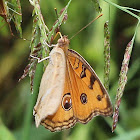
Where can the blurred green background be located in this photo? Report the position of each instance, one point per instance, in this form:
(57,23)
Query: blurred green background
(16,102)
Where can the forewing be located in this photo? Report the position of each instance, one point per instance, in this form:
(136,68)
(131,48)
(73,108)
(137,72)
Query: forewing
(89,97)
(51,87)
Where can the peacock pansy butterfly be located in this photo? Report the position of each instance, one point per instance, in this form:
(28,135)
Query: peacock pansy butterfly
(70,91)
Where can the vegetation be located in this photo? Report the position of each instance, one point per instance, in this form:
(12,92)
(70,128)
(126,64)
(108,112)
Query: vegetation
(16,100)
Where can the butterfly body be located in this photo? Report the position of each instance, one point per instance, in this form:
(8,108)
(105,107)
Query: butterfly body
(70,91)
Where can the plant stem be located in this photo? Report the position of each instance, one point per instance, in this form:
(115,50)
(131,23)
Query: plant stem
(125,9)
(31,102)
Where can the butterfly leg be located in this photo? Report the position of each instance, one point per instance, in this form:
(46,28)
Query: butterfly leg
(40,60)
(50,46)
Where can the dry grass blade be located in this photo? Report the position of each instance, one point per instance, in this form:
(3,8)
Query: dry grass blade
(122,83)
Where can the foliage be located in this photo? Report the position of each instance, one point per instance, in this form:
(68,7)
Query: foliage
(16,102)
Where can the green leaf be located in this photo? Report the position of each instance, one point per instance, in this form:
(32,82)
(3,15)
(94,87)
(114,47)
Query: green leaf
(5,134)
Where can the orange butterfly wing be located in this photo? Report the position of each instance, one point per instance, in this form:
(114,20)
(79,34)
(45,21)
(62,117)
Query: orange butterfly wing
(89,97)
(63,118)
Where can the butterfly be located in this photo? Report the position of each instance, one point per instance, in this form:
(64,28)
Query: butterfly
(70,91)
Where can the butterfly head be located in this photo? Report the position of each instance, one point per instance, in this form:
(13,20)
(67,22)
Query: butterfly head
(63,42)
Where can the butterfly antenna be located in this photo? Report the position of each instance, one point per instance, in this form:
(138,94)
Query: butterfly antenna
(86,26)
(55,9)
(57,18)
(59,34)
